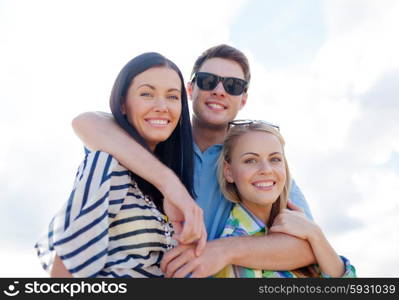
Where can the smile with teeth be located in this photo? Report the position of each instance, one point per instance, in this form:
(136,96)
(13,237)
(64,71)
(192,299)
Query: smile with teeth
(264,184)
(215,106)
(158,122)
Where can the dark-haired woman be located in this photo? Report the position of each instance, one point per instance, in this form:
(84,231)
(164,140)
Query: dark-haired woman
(114,223)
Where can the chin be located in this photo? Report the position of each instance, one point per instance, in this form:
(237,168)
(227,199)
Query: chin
(158,140)
(268,201)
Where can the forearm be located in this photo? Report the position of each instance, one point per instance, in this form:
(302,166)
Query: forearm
(99,131)
(328,260)
(58,270)
(274,251)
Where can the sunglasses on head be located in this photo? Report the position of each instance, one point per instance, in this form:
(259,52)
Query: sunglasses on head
(249,122)
(208,81)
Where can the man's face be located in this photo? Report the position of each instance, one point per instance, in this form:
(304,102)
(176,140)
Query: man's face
(217,107)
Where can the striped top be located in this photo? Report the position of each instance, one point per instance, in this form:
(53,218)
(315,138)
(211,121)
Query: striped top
(242,222)
(107,228)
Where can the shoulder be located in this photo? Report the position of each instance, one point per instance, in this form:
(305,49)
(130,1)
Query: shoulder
(100,170)
(233,224)
(101,160)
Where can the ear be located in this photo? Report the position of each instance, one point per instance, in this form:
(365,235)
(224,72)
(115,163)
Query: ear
(190,90)
(243,100)
(227,172)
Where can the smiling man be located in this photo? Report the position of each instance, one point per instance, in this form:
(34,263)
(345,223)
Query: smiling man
(218,90)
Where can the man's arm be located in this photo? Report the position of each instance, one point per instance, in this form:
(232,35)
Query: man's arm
(99,131)
(271,252)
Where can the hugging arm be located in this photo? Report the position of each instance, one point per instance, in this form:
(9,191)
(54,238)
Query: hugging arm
(270,252)
(99,131)
(275,251)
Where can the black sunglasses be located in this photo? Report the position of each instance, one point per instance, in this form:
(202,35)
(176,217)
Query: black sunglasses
(249,122)
(208,81)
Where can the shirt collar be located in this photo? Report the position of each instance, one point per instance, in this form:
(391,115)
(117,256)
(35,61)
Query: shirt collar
(247,220)
(212,149)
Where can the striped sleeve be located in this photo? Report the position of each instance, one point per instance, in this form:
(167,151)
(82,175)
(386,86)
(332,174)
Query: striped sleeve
(78,233)
(350,271)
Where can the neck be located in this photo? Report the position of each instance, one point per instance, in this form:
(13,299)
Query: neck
(262,212)
(206,135)
(152,146)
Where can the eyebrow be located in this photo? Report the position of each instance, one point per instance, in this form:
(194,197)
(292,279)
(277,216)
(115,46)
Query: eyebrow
(253,153)
(256,154)
(271,154)
(146,85)
(153,88)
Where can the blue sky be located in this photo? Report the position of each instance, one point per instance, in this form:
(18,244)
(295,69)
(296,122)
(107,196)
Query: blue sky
(280,33)
(325,71)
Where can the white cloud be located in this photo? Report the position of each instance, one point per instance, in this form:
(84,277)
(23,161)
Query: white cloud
(338,114)
(339,118)
(17,262)
(59,59)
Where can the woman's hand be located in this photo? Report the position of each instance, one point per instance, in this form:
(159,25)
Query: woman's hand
(293,221)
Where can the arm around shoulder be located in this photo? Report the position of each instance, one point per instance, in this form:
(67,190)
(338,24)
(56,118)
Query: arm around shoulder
(95,129)
(99,131)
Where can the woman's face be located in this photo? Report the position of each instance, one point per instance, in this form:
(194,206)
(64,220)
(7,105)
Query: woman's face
(257,168)
(153,104)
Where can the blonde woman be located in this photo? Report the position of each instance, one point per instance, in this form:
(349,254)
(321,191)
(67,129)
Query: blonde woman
(253,173)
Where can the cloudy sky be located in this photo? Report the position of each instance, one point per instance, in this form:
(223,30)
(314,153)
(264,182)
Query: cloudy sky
(326,71)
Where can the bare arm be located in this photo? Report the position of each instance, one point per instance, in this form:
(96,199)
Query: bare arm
(99,131)
(294,222)
(270,252)
(329,261)
(59,270)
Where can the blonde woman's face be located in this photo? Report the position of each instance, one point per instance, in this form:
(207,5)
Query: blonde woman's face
(257,168)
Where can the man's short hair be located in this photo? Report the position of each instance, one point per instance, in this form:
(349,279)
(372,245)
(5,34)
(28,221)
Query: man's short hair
(226,52)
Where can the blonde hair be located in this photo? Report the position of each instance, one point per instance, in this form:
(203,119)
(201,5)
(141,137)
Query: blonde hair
(230,190)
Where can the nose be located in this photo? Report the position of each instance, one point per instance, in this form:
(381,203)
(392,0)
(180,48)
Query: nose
(161,105)
(219,90)
(265,167)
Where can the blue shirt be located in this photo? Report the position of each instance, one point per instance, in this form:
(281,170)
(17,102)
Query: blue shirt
(210,198)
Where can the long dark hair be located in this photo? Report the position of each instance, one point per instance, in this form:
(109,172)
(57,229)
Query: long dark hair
(177,151)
